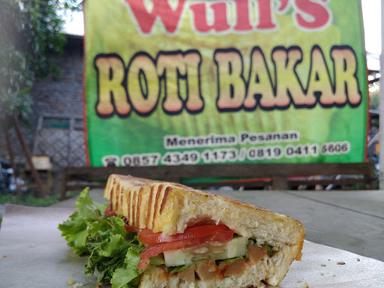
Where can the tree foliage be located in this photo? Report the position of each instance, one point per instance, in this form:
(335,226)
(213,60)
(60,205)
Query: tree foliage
(30,33)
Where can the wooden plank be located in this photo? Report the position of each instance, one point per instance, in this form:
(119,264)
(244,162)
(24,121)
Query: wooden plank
(40,191)
(62,180)
(226,170)
(280,183)
(323,182)
(278,173)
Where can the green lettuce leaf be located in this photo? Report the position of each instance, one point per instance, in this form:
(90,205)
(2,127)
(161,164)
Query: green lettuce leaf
(123,277)
(113,253)
(177,269)
(75,228)
(157,261)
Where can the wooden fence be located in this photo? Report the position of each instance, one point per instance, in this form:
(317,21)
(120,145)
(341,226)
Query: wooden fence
(275,176)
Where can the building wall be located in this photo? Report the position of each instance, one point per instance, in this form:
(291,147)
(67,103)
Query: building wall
(58,110)
(62,96)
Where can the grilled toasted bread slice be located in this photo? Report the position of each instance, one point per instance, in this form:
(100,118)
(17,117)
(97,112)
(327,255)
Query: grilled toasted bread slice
(169,208)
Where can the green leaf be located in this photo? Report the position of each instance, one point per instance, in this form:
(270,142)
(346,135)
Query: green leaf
(157,261)
(75,229)
(112,246)
(132,258)
(122,277)
(230,260)
(177,269)
(80,240)
(85,205)
(113,252)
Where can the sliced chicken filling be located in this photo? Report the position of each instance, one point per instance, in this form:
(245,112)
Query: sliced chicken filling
(216,260)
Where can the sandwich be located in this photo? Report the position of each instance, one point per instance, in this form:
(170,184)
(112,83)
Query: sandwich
(177,236)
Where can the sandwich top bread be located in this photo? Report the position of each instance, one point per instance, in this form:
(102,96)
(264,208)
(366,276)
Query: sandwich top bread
(238,245)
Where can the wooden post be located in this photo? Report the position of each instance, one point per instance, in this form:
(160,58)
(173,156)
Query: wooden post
(280,183)
(28,157)
(62,184)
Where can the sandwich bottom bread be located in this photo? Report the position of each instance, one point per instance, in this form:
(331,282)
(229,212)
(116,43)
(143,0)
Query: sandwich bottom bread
(180,237)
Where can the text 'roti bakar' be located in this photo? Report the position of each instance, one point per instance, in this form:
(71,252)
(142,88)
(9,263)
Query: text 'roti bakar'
(197,239)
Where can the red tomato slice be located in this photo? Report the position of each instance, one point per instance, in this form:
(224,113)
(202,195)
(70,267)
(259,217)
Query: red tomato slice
(109,212)
(192,236)
(131,229)
(147,237)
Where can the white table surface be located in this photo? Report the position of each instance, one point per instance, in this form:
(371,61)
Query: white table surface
(34,255)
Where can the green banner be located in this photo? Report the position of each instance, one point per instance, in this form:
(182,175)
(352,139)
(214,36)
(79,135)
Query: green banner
(174,82)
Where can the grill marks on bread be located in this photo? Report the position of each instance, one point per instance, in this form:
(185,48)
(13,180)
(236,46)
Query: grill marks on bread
(169,208)
(140,205)
(164,200)
(150,200)
(159,190)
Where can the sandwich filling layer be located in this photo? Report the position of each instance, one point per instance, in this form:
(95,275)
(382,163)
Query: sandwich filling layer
(203,252)
(261,273)
(202,247)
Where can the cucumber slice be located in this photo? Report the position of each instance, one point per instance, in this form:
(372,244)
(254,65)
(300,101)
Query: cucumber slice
(237,247)
(177,258)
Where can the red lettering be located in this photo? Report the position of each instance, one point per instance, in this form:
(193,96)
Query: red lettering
(161,9)
(220,22)
(312,14)
(309,14)
(283,5)
(242,13)
(266,15)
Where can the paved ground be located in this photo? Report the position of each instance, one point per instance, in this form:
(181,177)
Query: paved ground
(33,254)
(349,220)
